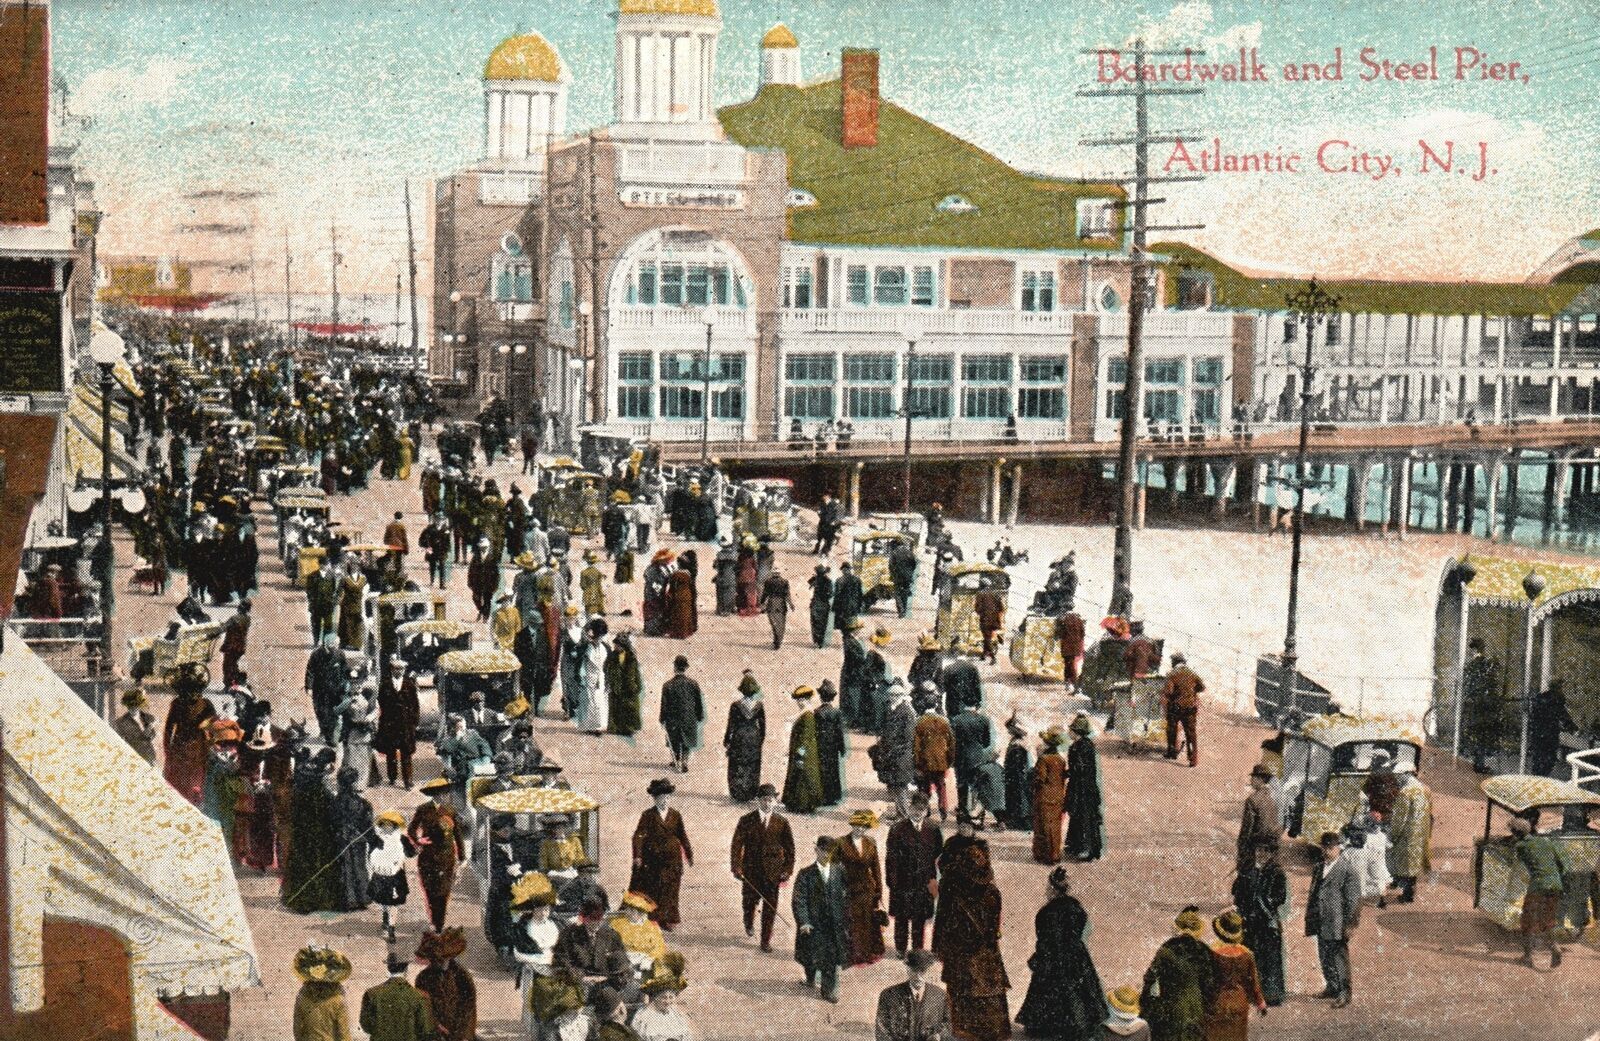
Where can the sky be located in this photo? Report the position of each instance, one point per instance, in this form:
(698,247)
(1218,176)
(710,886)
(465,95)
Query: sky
(328,108)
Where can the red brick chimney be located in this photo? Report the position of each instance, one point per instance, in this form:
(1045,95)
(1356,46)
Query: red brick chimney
(24,112)
(859,106)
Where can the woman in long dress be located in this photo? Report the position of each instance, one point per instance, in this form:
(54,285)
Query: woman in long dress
(1019,779)
(863,889)
(725,578)
(572,653)
(683,614)
(1085,814)
(802,782)
(596,706)
(743,739)
(966,937)
(1065,998)
(748,590)
(624,686)
(1049,799)
(533,940)
(1238,988)
(352,831)
(352,595)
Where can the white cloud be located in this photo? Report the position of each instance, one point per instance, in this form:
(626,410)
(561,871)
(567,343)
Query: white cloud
(1193,24)
(118,90)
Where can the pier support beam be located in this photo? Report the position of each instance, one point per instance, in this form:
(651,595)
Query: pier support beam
(1253,489)
(1222,473)
(1491,477)
(1513,478)
(1405,495)
(995,473)
(1361,474)
(855,490)
(1469,495)
(1275,476)
(1169,475)
(1144,490)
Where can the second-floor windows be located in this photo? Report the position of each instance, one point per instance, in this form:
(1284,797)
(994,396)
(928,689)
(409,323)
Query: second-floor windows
(511,279)
(1038,291)
(889,285)
(797,285)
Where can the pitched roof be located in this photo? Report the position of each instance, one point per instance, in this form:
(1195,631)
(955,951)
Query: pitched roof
(889,194)
(1246,292)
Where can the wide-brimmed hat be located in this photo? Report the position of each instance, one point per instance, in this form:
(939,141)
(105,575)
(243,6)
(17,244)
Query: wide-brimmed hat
(1189,921)
(1262,770)
(621,497)
(1124,1001)
(321,965)
(516,708)
(438,784)
(928,642)
(803,692)
(881,636)
(556,820)
(134,698)
(660,786)
(1081,725)
(1228,926)
(921,960)
(390,817)
(1052,736)
(827,691)
(442,946)
(262,740)
(571,611)
(532,890)
(662,556)
(526,560)
(667,974)
(863,819)
(221,731)
(638,901)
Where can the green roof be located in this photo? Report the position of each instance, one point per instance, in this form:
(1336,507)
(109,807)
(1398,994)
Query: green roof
(1239,291)
(889,194)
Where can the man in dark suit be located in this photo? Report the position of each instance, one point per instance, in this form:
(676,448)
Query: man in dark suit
(591,949)
(322,593)
(911,867)
(394,1010)
(1333,910)
(820,945)
(915,1010)
(762,859)
(683,709)
(848,597)
(973,735)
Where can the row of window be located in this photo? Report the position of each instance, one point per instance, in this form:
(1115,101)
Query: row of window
(888,285)
(1166,406)
(925,368)
(870,379)
(1158,371)
(679,366)
(679,285)
(815,403)
(687,402)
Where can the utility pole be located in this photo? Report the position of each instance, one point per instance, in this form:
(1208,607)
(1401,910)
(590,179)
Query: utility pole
(1133,386)
(333,235)
(397,306)
(411,265)
(288,293)
(593,348)
(541,378)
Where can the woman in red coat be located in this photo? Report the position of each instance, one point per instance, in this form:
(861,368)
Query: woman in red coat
(966,937)
(683,614)
(1049,799)
(184,744)
(863,890)
(1238,987)
(747,590)
(660,850)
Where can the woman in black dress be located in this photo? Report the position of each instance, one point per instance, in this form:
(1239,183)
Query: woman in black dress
(1085,812)
(1019,779)
(1065,998)
(743,739)
(352,832)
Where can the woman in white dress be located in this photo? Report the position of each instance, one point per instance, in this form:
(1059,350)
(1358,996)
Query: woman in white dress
(661,1018)
(595,712)
(386,868)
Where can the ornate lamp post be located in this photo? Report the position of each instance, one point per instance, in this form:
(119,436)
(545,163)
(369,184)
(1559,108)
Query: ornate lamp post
(1311,307)
(706,316)
(107,349)
(1532,585)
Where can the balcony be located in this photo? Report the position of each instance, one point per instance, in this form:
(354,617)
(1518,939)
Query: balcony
(658,162)
(1173,325)
(953,323)
(730,319)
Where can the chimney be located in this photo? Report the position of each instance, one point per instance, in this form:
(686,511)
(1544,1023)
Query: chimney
(858,81)
(24,112)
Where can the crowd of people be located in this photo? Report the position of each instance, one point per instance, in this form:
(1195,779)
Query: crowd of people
(296,799)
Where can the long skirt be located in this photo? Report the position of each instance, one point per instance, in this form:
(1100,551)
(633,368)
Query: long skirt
(975,1018)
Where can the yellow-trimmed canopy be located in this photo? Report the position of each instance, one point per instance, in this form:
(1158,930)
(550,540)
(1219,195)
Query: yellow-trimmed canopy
(537,800)
(1498,580)
(482,660)
(779,37)
(527,57)
(1522,792)
(703,8)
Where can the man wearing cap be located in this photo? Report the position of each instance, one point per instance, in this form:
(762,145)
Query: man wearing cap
(136,726)
(683,711)
(394,1010)
(439,835)
(802,783)
(1180,698)
(1333,909)
(1259,819)
(915,1010)
(660,851)
(1180,982)
(911,869)
(762,859)
(398,714)
(818,905)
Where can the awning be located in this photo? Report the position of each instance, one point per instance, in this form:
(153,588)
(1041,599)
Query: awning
(109,843)
(1497,580)
(83,462)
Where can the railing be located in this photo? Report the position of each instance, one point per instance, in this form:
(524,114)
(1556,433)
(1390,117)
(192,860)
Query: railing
(677,430)
(738,319)
(892,320)
(1585,768)
(72,649)
(1028,430)
(1172,324)
(659,162)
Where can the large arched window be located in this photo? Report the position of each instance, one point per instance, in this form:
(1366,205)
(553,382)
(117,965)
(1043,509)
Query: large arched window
(679,267)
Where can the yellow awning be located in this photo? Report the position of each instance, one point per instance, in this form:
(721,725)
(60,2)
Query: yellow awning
(1498,580)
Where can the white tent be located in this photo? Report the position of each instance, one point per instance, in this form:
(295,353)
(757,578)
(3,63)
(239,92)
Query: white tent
(96,835)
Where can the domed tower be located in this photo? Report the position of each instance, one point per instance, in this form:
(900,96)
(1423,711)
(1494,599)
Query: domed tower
(780,57)
(666,68)
(524,100)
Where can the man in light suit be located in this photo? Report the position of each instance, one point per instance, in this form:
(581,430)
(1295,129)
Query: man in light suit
(915,1010)
(1333,910)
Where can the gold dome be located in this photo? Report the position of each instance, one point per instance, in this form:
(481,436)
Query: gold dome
(527,57)
(703,8)
(779,37)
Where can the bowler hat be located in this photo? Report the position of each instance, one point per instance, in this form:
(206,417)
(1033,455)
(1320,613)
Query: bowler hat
(766,791)
(661,786)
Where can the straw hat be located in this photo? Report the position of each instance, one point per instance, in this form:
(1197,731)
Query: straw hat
(803,692)
(526,560)
(928,642)
(225,730)
(590,556)
(621,498)
(1189,921)
(321,965)
(1124,1001)
(134,699)
(438,784)
(571,611)
(1052,737)
(668,974)
(532,890)
(881,637)
(863,819)
(1228,926)
(516,708)
(390,817)
(854,625)
(638,901)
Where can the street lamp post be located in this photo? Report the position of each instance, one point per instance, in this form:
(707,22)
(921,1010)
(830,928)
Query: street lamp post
(1311,306)
(1532,585)
(912,330)
(585,309)
(704,315)
(107,349)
